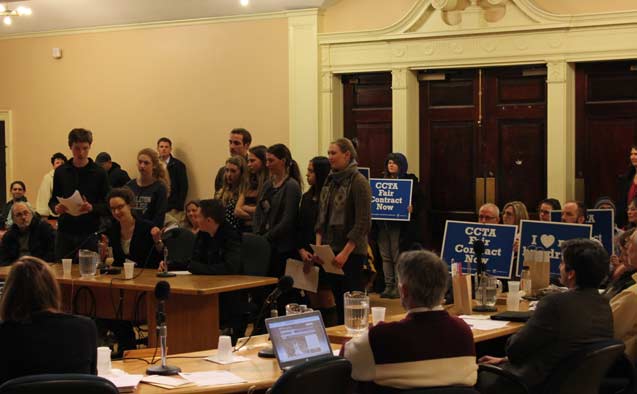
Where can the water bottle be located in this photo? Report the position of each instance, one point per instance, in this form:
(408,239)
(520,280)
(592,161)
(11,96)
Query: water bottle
(525,281)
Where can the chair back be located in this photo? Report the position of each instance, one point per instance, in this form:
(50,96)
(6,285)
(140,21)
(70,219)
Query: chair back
(255,255)
(180,243)
(329,375)
(582,373)
(58,384)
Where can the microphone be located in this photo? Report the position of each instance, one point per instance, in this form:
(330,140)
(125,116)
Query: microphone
(162,292)
(167,234)
(284,285)
(478,249)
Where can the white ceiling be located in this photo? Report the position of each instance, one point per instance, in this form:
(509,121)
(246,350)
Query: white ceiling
(72,14)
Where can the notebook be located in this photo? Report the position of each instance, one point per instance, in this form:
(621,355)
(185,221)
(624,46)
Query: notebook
(299,338)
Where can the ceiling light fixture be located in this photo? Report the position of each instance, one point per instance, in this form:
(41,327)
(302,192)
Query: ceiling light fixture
(244,2)
(8,13)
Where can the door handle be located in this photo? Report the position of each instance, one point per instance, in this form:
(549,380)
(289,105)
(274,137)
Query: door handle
(490,188)
(480,184)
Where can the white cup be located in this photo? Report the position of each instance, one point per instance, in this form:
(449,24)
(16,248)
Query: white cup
(514,286)
(103,360)
(513,297)
(67,266)
(378,314)
(224,349)
(129,269)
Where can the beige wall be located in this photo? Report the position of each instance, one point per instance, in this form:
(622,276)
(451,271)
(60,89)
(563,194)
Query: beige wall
(192,83)
(353,15)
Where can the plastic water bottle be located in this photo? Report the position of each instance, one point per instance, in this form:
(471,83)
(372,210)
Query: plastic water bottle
(525,281)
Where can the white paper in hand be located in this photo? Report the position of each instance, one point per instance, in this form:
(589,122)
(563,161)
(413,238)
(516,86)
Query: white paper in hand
(73,204)
(302,281)
(325,253)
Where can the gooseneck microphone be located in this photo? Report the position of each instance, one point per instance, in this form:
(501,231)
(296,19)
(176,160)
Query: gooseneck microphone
(162,292)
(478,250)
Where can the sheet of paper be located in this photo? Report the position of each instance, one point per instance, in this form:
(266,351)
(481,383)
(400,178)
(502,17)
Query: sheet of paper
(179,273)
(166,381)
(325,253)
(234,359)
(481,324)
(123,381)
(73,203)
(302,281)
(212,378)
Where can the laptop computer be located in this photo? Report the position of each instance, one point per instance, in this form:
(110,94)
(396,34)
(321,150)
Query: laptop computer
(297,339)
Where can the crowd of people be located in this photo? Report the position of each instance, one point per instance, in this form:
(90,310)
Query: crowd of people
(259,190)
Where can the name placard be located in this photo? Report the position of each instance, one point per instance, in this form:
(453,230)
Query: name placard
(391,198)
(498,239)
(548,236)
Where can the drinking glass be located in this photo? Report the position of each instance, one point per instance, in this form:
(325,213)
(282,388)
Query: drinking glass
(486,293)
(356,312)
(88,263)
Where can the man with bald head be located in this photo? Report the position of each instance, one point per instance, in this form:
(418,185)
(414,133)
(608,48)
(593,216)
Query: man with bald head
(574,212)
(489,214)
(28,235)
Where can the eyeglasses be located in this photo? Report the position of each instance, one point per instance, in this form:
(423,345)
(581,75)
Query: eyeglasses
(484,217)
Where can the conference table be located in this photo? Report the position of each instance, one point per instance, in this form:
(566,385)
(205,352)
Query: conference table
(192,308)
(339,334)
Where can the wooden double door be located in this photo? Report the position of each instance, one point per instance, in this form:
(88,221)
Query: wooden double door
(483,139)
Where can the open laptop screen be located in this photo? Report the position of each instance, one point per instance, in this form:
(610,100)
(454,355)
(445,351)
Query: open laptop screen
(298,338)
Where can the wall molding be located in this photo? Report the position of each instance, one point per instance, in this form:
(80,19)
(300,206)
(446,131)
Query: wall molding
(163,24)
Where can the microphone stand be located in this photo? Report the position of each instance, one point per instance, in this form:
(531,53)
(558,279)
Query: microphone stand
(166,274)
(162,329)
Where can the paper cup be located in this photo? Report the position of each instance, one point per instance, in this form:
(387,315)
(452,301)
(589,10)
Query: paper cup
(129,269)
(103,360)
(224,349)
(378,314)
(67,266)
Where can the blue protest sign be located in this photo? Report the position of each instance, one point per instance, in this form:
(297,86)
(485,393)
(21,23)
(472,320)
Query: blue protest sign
(603,222)
(498,239)
(548,236)
(364,171)
(391,199)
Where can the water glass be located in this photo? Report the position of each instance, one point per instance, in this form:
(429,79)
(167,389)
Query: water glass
(378,314)
(487,291)
(88,263)
(224,349)
(103,360)
(67,266)
(356,312)
(513,297)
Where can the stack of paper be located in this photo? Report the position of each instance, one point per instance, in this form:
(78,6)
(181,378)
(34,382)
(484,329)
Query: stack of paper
(167,382)
(124,382)
(233,359)
(480,323)
(212,378)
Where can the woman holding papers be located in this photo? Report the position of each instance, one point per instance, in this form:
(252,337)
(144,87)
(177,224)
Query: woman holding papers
(394,237)
(151,188)
(278,206)
(130,236)
(344,219)
(317,170)
(35,336)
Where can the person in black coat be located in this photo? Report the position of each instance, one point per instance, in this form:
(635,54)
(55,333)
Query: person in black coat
(81,174)
(35,336)
(28,235)
(178,176)
(117,176)
(130,236)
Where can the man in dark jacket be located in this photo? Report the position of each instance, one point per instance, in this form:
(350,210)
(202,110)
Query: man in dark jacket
(562,323)
(239,142)
(80,174)
(178,179)
(28,235)
(117,176)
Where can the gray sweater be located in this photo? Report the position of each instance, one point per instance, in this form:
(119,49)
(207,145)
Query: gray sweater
(275,216)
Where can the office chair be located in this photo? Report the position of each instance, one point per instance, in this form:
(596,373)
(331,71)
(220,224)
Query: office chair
(329,375)
(580,373)
(620,379)
(58,384)
(180,243)
(255,255)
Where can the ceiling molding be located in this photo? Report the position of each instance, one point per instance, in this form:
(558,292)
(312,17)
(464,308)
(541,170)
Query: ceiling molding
(164,24)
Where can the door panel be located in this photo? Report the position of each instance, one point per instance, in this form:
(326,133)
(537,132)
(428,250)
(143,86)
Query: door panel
(368,117)
(479,127)
(606,126)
